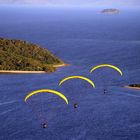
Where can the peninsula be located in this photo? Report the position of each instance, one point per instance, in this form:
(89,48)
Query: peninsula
(134,86)
(17,56)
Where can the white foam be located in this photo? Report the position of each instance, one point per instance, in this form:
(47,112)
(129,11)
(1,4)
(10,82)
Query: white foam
(132,95)
(8,102)
(7,111)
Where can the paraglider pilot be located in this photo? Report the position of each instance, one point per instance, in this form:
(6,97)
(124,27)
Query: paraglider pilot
(105,91)
(75,105)
(44,125)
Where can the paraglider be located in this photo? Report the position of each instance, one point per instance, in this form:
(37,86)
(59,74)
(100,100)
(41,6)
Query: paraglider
(107,65)
(87,80)
(46,90)
(45,124)
(77,77)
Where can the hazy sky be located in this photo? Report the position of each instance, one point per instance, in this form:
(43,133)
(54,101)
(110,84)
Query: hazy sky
(75,2)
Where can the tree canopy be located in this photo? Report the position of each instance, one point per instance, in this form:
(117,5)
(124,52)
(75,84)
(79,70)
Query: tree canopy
(21,55)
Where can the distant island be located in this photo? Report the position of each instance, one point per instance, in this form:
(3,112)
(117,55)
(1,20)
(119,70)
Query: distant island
(110,11)
(20,56)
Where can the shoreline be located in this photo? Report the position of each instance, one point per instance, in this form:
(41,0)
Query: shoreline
(137,88)
(61,65)
(30,72)
(19,72)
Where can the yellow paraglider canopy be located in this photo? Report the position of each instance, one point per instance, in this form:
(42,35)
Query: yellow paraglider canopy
(49,91)
(75,77)
(107,65)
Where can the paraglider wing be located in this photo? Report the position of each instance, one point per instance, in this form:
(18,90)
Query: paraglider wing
(49,91)
(107,65)
(75,77)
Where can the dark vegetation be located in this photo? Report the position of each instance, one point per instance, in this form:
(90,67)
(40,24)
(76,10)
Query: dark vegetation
(134,85)
(21,55)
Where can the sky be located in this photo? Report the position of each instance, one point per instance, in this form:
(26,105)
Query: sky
(75,2)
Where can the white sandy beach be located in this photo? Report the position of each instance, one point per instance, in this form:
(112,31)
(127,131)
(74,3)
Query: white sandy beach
(30,72)
(138,88)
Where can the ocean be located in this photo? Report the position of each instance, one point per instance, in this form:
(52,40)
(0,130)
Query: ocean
(82,38)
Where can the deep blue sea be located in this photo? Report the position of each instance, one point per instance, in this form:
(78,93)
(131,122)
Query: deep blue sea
(82,38)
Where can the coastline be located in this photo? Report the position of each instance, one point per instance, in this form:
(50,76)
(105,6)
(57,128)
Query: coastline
(61,65)
(19,72)
(29,72)
(137,88)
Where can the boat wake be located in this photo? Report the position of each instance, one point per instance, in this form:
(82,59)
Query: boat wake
(8,102)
